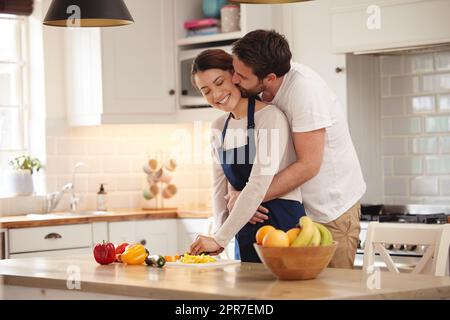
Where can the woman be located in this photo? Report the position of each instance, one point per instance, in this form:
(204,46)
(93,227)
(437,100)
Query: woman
(250,143)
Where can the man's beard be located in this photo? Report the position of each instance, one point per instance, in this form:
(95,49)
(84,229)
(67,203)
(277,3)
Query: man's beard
(252,92)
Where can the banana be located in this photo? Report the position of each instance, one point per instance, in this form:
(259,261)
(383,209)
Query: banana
(326,237)
(315,240)
(307,233)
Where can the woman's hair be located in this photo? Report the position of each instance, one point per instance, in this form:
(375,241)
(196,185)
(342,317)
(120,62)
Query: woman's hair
(211,59)
(264,51)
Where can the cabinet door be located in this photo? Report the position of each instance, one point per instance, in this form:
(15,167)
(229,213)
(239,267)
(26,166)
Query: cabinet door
(314,48)
(123,231)
(188,230)
(138,62)
(158,236)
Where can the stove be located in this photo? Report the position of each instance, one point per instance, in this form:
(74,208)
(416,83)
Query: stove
(405,256)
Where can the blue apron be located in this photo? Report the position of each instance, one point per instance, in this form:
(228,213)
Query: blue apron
(237,165)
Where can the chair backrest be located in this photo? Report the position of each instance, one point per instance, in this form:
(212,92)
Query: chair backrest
(435,237)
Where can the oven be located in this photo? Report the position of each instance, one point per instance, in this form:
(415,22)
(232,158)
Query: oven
(405,257)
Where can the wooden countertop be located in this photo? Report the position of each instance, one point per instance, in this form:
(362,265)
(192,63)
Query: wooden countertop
(238,281)
(53,219)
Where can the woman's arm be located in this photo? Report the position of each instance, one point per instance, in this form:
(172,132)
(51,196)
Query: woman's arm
(271,141)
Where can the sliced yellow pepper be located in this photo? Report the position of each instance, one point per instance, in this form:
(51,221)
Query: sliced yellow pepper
(134,254)
(187,258)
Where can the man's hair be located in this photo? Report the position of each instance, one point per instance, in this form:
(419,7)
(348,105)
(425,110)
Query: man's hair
(211,59)
(264,52)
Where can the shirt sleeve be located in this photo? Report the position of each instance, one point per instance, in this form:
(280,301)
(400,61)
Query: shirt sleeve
(310,106)
(220,210)
(271,140)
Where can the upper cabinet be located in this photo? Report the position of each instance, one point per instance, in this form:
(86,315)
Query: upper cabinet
(123,74)
(379,25)
(132,74)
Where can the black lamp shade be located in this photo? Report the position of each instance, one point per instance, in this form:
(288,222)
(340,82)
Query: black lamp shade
(93,13)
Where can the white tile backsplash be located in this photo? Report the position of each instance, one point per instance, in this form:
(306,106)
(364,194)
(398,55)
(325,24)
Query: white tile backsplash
(424,104)
(400,86)
(408,166)
(445,185)
(395,186)
(437,124)
(419,63)
(424,186)
(437,165)
(443,60)
(392,106)
(424,145)
(444,144)
(444,103)
(406,126)
(395,146)
(415,126)
(391,65)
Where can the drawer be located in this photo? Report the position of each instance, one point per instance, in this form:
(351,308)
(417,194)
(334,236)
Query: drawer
(50,238)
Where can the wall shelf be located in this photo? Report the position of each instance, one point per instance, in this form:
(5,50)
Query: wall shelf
(210,38)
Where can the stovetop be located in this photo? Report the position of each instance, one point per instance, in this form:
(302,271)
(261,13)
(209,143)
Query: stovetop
(406,214)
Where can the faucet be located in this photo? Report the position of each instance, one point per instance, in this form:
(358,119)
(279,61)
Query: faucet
(53,199)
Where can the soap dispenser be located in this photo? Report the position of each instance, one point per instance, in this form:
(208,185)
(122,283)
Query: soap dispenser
(101,199)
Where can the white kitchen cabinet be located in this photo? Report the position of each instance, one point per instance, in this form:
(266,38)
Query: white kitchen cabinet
(52,253)
(52,240)
(158,236)
(376,25)
(308,30)
(126,74)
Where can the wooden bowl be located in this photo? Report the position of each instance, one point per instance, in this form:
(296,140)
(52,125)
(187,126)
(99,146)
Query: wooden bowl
(296,263)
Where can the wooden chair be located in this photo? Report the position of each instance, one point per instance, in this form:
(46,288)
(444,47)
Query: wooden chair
(435,237)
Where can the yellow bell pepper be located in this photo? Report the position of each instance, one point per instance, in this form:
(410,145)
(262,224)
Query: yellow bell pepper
(134,254)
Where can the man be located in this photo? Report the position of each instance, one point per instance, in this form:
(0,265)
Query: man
(327,166)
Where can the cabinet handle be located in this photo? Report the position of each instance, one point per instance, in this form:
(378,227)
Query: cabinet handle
(143,242)
(53,236)
(172,92)
(339,70)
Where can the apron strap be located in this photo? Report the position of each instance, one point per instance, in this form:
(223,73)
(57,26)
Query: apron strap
(251,130)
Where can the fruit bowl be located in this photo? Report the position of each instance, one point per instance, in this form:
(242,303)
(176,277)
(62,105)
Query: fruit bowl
(296,263)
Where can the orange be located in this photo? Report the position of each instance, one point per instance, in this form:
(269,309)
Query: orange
(292,234)
(276,238)
(262,232)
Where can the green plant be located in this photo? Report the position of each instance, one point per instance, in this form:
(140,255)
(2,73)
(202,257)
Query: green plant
(26,163)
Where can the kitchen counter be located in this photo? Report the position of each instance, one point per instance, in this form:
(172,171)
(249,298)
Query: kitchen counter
(50,278)
(27,221)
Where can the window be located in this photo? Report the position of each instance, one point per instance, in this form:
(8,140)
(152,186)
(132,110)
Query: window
(13,91)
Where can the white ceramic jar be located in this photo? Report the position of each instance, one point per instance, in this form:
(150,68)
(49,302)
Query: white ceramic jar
(230,17)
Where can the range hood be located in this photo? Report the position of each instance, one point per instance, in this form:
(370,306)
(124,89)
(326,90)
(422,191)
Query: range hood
(432,48)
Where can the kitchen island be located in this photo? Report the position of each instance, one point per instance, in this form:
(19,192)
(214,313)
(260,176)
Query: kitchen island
(80,277)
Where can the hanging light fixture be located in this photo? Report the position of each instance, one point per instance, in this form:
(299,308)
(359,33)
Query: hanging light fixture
(88,13)
(268,1)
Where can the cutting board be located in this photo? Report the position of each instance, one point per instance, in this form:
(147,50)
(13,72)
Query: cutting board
(218,263)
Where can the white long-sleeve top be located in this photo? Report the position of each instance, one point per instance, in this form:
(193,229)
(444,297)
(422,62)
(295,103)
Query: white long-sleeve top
(274,152)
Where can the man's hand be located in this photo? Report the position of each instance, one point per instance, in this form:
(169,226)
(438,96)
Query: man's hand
(205,244)
(260,216)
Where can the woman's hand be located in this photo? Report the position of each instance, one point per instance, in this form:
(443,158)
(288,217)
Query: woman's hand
(205,244)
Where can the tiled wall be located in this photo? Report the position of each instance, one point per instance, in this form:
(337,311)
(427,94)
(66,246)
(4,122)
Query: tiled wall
(415,111)
(115,155)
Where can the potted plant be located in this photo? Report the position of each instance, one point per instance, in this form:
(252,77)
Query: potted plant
(21,181)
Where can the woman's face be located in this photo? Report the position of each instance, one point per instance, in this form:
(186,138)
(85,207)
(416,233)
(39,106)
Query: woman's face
(218,89)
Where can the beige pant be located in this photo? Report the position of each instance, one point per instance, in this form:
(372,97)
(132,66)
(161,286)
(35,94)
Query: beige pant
(345,230)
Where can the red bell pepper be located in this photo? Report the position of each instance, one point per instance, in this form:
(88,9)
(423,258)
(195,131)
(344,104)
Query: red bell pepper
(104,253)
(121,248)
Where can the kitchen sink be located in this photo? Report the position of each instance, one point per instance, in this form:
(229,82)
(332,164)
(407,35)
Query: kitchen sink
(67,214)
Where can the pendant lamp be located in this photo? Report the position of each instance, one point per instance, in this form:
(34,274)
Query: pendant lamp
(88,13)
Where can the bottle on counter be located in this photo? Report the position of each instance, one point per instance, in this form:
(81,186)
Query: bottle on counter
(101,199)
